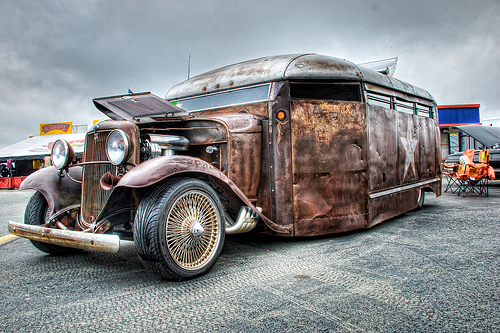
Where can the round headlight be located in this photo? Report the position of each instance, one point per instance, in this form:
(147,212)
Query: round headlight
(117,147)
(62,154)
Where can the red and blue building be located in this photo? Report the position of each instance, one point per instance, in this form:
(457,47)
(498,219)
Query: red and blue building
(450,116)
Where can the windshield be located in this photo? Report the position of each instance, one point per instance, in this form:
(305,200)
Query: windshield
(229,98)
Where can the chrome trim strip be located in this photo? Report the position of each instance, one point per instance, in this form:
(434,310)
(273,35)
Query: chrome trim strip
(402,188)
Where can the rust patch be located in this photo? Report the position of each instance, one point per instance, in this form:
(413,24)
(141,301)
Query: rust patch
(336,108)
(329,166)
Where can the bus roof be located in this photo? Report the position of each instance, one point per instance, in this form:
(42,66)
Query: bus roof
(287,67)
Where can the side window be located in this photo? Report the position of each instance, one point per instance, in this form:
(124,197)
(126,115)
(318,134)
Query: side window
(326,91)
(399,104)
(403,106)
(379,100)
(424,110)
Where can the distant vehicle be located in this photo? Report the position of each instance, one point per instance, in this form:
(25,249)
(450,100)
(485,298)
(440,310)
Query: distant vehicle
(293,145)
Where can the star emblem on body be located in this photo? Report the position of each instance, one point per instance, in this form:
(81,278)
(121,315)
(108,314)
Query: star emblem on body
(409,143)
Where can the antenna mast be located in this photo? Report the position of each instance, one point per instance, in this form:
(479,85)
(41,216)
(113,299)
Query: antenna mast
(189,64)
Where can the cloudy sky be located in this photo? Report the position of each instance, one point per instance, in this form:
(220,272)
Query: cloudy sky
(55,56)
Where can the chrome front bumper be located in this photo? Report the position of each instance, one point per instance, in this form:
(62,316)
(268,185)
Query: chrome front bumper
(67,238)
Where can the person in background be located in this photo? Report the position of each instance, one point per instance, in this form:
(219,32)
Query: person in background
(10,166)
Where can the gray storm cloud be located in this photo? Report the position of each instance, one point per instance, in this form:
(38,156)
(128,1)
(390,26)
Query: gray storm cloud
(55,56)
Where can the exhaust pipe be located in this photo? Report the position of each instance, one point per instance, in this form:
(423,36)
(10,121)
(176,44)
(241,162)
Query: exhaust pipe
(68,238)
(246,221)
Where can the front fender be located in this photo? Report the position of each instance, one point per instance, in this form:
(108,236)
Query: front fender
(61,193)
(161,168)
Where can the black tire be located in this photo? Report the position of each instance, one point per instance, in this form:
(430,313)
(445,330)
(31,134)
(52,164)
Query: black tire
(173,244)
(36,214)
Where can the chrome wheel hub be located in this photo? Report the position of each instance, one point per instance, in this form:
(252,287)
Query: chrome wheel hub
(197,230)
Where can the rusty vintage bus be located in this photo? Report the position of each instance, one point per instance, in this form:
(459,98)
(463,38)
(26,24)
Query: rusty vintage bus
(293,145)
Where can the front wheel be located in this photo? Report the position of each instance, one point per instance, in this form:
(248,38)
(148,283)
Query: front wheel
(36,213)
(179,230)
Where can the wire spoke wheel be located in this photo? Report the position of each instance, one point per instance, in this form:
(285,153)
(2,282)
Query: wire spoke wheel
(179,229)
(192,230)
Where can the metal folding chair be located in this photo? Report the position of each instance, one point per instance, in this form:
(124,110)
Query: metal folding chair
(452,180)
(472,186)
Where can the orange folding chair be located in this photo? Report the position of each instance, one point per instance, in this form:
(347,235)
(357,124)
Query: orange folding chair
(472,177)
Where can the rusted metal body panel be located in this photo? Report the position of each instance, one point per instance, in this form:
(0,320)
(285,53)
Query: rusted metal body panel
(356,165)
(244,133)
(403,159)
(248,150)
(329,165)
(246,162)
(384,140)
(241,155)
(280,159)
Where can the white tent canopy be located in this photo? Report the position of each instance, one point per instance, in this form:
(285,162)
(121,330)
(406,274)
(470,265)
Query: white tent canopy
(38,147)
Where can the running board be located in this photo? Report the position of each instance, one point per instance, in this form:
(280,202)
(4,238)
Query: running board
(67,238)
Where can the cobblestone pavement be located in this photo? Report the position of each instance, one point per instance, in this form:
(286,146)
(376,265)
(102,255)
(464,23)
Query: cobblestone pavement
(436,269)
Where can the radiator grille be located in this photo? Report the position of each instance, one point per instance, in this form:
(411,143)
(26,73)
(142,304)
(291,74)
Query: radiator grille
(93,196)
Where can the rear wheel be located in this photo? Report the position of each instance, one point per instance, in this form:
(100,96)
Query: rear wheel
(37,213)
(179,230)
(420,199)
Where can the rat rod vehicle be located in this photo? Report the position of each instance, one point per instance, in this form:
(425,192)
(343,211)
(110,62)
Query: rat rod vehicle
(293,145)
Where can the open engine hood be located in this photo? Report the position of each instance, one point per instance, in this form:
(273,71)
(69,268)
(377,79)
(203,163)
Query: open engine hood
(138,107)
